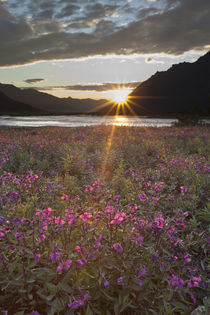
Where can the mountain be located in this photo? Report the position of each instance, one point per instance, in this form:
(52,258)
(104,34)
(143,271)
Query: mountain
(184,88)
(49,103)
(9,106)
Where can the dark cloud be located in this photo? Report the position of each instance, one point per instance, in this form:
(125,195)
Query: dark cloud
(4,13)
(46,14)
(93,87)
(31,81)
(98,10)
(67,11)
(12,31)
(176,28)
(47,26)
(105,27)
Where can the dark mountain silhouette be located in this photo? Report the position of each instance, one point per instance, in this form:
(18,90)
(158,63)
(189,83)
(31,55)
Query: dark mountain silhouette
(184,88)
(50,104)
(10,107)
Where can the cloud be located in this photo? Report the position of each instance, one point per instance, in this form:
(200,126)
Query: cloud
(174,28)
(93,87)
(68,10)
(4,13)
(31,81)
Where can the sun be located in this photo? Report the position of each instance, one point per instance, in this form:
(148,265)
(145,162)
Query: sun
(120,95)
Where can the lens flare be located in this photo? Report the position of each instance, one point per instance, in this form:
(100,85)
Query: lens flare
(120,96)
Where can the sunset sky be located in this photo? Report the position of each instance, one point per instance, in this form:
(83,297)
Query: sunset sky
(86,48)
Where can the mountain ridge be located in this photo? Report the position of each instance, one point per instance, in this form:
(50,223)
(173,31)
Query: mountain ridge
(182,88)
(47,103)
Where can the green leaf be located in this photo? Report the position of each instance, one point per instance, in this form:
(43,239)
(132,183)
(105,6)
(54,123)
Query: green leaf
(88,311)
(116,309)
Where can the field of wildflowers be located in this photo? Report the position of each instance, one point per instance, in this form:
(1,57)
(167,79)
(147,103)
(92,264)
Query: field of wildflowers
(104,220)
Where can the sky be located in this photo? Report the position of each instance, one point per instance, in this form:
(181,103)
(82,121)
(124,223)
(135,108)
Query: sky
(92,48)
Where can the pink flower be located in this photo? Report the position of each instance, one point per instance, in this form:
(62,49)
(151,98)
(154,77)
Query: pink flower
(95,184)
(47,211)
(78,249)
(109,209)
(118,218)
(194,282)
(89,188)
(185,214)
(2,234)
(183,189)
(149,183)
(60,267)
(85,216)
(159,186)
(65,197)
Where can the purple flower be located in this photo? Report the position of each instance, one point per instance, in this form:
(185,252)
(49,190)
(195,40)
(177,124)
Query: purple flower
(142,272)
(208,240)
(86,296)
(41,237)
(37,256)
(80,262)
(2,219)
(14,195)
(118,248)
(67,264)
(90,255)
(140,282)
(140,240)
(176,282)
(55,256)
(18,235)
(187,258)
(116,198)
(155,257)
(34,313)
(120,281)
(76,304)
(106,284)
(142,197)
(193,298)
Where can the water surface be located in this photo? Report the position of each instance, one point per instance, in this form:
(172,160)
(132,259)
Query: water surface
(81,121)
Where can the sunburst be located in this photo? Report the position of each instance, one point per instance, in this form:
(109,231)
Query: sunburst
(120,96)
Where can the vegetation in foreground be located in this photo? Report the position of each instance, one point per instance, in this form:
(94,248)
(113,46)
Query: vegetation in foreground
(104,220)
